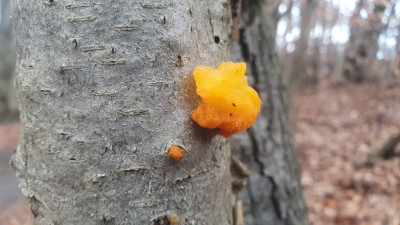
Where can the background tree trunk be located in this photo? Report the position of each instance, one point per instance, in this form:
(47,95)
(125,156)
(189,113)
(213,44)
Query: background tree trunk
(362,47)
(298,74)
(395,65)
(273,194)
(8,102)
(105,88)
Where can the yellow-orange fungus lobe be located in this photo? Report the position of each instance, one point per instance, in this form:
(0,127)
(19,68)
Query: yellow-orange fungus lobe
(228,102)
(176,152)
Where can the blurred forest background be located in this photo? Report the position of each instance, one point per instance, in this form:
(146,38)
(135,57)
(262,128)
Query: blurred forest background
(340,60)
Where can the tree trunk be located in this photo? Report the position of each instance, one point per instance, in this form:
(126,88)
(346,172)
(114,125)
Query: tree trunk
(273,195)
(298,74)
(395,64)
(362,47)
(105,88)
(8,102)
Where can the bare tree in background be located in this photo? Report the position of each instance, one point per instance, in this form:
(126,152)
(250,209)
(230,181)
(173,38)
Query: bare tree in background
(8,103)
(395,65)
(362,47)
(325,56)
(106,88)
(298,72)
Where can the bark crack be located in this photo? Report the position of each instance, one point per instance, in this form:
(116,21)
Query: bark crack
(81,19)
(243,45)
(210,20)
(79,5)
(274,189)
(250,58)
(124,27)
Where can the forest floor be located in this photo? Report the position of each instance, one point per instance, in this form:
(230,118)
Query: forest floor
(335,126)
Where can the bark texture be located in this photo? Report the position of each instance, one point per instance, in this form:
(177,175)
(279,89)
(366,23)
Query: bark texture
(273,195)
(105,87)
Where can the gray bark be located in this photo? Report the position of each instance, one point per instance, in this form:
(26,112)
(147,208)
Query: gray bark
(105,87)
(273,195)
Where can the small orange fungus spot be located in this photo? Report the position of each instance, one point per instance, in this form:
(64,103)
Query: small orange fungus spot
(228,102)
(176,152)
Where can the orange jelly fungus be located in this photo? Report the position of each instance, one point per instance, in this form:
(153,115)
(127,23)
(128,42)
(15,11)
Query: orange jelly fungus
(228,102)
(176,152)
